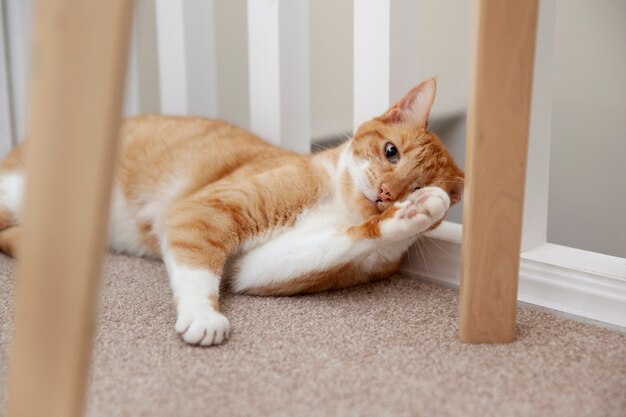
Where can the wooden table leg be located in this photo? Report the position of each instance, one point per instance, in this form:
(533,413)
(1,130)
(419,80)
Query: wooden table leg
(498,120)
(78,66)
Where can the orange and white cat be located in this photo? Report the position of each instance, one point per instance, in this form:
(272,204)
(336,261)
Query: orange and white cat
(214,201)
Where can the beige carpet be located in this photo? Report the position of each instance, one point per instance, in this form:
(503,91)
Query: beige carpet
(386,349)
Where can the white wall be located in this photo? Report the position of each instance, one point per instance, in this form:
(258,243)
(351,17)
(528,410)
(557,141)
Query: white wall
(587,204)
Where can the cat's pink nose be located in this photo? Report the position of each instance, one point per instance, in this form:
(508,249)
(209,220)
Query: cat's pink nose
(386,194)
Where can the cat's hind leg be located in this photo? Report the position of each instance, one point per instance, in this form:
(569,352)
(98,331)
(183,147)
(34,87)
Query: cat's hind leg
(9,238)
(11,186)
(196,295)
(11,190)
(195,247)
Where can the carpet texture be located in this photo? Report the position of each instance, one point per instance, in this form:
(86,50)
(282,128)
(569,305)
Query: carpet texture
(384,349)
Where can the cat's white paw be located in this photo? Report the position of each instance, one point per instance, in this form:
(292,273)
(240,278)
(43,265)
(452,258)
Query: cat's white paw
(431,201)
(420,210)
(202,326)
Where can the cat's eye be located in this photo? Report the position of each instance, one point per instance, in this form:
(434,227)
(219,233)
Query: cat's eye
(391,153)
(419,187)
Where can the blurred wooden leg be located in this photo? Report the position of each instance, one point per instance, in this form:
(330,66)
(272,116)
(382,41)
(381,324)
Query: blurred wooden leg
(498,122)
(79,59)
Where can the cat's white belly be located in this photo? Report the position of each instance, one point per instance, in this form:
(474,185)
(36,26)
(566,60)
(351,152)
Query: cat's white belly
(308,245)
(326,215)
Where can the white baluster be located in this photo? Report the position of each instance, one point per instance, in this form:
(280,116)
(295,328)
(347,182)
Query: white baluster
(385,54)
(535,223)
(186,44)
(18,20)
(202,90)
(131,90)
(172,57)
(6,110)
(278,53)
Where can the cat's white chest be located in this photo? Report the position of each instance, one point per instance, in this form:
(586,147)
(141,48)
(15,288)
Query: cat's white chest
(330,214)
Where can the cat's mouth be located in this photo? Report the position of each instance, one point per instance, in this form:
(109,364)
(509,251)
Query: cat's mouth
(382,205)
(377,202)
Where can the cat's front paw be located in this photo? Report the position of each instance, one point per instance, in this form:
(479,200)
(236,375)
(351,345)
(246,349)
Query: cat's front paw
(202,326)
(430,201)
(420,210)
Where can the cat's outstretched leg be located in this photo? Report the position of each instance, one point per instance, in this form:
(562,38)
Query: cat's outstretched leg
(194,251)
(11,190)
(196,292)
(9,238)
(307,260)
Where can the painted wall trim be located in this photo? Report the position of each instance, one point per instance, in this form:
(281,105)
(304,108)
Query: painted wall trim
(581,283)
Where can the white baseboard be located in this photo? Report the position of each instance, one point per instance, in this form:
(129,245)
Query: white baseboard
(581,283)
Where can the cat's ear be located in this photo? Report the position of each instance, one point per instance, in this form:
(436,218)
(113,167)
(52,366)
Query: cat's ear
(415,106)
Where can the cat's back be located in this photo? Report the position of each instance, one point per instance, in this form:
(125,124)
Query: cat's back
(175,140)
(163,159)
(203,150)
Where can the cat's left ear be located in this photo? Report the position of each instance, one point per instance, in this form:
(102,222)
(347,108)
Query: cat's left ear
(415,106)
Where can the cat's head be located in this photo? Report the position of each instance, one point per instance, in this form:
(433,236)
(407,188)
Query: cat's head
(394,154)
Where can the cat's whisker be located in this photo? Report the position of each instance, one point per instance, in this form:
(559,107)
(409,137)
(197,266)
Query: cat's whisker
(419,246)
(344,137)
(318,145)
(409,258)
(434,242)
(426,246)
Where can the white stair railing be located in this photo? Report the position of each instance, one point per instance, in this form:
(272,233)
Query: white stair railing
(386,42)
(6,110)
(186,51)
(535,223)
(278,55)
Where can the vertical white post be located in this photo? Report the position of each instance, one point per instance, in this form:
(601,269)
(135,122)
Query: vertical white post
(200,45)
(535,223)
(372,45)
(147,56)
(142,79)
(186,36)
(18,17)
(172,56)
(385,54)
(131,90)
(278,55)
(6,110)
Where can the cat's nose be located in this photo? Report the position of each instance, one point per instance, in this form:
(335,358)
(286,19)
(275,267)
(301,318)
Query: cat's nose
(386,194)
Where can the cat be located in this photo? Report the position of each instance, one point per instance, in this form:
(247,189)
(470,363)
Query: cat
(212,200)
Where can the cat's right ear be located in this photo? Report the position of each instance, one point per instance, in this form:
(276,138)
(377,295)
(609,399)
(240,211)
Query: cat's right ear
(415,106)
